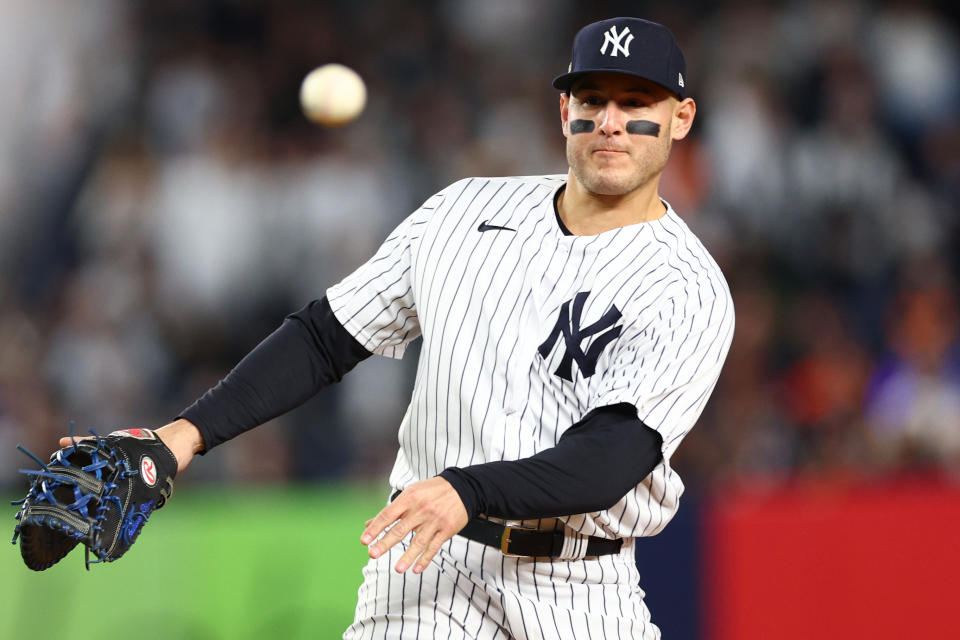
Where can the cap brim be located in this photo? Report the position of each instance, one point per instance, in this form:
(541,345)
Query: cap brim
(564,81)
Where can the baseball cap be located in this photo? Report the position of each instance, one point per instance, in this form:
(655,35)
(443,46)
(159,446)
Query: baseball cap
(627,45)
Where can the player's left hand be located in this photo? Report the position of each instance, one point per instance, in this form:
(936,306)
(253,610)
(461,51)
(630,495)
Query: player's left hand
(431,508)
(98,491)
(181,436)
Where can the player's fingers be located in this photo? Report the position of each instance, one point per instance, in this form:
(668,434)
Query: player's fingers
(446,528)
(67,441)
(431,550)
(396,533)
(418,546)
(375,526)
(407,503)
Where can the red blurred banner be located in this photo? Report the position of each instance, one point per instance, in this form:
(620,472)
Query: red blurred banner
(821,561)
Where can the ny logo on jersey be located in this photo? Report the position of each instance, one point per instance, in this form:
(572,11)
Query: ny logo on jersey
(613,38)
(569,326)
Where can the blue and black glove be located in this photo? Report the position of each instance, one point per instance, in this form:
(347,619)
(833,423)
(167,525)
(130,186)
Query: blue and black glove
(98,491)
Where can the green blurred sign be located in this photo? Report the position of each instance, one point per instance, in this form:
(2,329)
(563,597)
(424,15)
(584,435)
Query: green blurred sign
(271,563)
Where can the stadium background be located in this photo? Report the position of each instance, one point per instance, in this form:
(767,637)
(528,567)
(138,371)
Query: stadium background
(163,204)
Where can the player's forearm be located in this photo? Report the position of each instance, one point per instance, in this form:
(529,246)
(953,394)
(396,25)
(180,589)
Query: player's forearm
(595,463)
(309,351)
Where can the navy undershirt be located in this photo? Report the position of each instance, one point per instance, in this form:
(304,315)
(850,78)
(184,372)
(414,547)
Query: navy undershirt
(596,461)
(308,352)
(556,211)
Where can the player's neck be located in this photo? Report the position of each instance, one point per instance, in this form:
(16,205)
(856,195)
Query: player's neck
(586,214)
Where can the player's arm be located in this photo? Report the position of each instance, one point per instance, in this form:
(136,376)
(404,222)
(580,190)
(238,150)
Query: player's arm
(309,351)
(595,463)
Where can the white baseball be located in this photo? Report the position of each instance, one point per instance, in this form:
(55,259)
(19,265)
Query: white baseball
(333,95)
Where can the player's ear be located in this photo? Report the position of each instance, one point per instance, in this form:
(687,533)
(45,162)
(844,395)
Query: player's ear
(565,113)
(684,112)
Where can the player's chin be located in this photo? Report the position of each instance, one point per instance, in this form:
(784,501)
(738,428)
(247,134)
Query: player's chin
(611,183)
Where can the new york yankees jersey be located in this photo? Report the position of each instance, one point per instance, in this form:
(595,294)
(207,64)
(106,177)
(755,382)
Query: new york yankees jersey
(525,329)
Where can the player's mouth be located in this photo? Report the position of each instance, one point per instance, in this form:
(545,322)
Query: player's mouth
(604,151)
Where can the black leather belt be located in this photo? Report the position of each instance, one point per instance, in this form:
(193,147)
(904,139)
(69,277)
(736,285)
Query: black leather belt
(518,541)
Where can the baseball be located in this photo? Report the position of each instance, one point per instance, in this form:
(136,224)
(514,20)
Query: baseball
(333,95)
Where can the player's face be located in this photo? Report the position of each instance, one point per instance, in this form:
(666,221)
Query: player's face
(634,122)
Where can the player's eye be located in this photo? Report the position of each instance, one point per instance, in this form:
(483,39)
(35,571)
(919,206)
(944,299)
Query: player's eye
(636,102)
(592,101)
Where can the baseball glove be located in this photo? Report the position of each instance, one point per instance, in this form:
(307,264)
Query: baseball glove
(98,491)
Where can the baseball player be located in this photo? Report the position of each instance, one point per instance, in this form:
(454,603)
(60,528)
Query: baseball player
(573,329)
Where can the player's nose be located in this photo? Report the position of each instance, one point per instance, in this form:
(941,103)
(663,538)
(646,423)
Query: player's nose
(612,120)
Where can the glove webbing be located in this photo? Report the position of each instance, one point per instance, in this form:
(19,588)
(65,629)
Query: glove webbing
(46,481)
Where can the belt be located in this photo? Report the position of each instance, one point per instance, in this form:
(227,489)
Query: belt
(519,541)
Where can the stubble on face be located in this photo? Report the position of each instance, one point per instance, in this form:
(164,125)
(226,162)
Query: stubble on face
(616,176)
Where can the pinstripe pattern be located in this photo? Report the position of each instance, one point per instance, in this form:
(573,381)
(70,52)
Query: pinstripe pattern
(473,592)
(484,302)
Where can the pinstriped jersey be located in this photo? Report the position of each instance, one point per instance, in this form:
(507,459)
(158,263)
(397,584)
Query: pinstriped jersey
(526,329)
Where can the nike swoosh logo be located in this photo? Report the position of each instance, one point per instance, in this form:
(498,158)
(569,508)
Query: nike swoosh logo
(492,227)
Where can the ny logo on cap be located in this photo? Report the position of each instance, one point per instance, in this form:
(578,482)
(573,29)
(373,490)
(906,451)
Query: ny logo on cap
(611,37)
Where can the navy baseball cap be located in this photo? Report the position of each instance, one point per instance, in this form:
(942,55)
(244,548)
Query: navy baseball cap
(627,45)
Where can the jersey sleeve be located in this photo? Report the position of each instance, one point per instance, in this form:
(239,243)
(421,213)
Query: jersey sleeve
(376,303)
(668,361)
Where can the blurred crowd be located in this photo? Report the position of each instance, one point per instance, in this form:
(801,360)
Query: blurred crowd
(164,203)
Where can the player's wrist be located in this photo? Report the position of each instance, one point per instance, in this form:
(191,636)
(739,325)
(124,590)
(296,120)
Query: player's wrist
(467,490)
(183,438)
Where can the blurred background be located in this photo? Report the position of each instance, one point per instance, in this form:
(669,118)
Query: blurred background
(164,203)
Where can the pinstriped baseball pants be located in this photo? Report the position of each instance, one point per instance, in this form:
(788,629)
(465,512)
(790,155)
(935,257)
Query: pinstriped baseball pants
(472,591)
